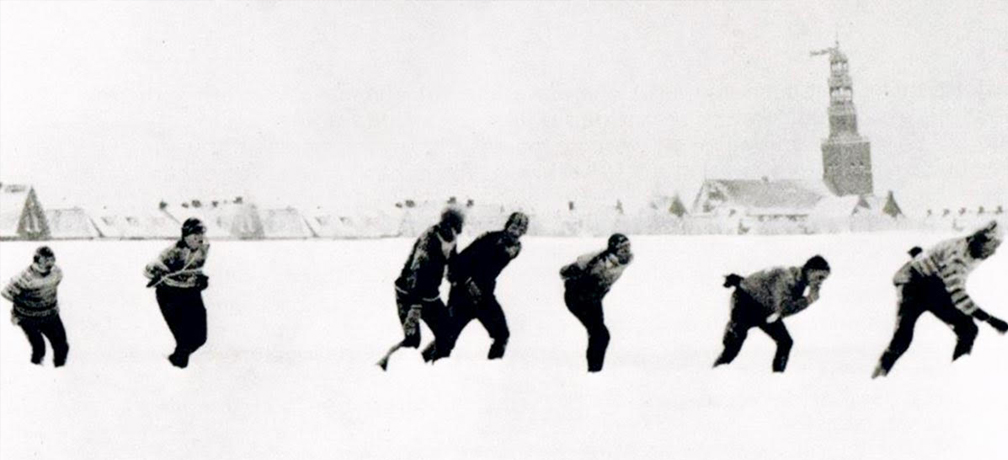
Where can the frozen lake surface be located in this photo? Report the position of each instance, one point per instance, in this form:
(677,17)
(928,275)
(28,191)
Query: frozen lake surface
(296,327)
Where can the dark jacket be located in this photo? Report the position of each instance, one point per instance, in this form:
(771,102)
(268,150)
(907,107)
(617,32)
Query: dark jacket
(484,259)
(779,290)
(421,275)
(593,274)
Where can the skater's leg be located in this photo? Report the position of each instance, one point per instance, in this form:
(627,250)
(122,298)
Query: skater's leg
(906,320)
(491,315)
(198,325)
(172,311)
(31,331)
(54,331)
(779,333)
(598,336)
(912,303)
(589,312)
(451,323)
(734,336)
(383,362)
(962,324)
(737,330)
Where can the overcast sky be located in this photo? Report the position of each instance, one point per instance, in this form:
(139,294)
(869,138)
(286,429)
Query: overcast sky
(366,104)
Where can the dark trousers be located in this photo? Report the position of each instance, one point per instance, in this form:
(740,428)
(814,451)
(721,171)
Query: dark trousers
(432,312)
(185,314)
(916,297)
(463,307)
(52,328)
(588,310)
(747,313)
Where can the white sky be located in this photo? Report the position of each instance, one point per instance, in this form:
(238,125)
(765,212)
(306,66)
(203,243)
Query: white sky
(365,104)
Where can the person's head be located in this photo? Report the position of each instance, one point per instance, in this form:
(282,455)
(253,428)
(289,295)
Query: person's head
(44,259)
(619,245)
(816,270)
(517,225)
(985,241)
(193,233)
(451,223)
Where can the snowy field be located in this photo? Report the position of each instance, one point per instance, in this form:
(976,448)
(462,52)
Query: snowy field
(296,327)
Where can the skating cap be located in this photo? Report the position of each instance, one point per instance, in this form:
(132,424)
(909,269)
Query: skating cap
(453,217)
(517,217)
(191,226)
(817,262)
(992,231)
(617,240)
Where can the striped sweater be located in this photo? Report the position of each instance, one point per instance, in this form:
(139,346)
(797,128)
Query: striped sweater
(34,293)
(949,261)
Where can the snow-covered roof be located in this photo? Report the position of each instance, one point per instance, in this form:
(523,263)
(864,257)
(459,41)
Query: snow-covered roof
(285,223)
(759,196)
(72,223)
(224,219)
(832,207)
(21,214)
(136,224)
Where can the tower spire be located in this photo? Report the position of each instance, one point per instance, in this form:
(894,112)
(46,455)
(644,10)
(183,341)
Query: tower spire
(846,155)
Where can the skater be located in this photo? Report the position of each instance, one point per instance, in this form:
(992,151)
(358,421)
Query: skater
(418,295)
(178,279)
(586,282)
(935,281)
(473,274)
(36,309)
(764,299)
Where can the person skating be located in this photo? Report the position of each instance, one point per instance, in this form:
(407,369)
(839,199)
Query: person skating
(935,281)
(178,279)
(417,289)
(763,299)
(473,274)
(586,282)
(36,309)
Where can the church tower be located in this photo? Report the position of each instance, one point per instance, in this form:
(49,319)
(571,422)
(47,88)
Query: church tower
(846,155)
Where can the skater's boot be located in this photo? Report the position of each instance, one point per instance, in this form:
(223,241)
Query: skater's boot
(179,360)
(497,349)
(879,371)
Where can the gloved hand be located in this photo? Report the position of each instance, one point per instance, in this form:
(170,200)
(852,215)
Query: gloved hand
(998,324)
(411,327)
(202,281)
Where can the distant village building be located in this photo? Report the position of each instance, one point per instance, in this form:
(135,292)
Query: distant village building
(136,224)
(847,168)
(847,172)
(71,224)
(964,218)
(224,219)
(285,223)
(22,216)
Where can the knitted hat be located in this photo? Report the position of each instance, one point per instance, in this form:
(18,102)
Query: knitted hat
(453,217)
(817,262)
(43,251)
(617,240)
(519,218)
(191,226)
(991,231)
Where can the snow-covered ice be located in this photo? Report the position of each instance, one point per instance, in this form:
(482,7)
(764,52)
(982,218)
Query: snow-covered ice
(296,327)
